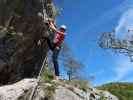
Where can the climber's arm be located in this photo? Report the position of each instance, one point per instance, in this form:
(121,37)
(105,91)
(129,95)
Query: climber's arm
(52,26)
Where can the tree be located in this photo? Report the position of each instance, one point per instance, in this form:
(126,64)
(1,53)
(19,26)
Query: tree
(71,65)
(108,40)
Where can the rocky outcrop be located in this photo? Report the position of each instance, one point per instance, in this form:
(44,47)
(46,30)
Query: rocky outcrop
(15,91)
(51,90)
(21,26)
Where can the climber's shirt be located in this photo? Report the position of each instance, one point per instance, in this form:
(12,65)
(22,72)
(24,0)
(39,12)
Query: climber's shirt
(59,38)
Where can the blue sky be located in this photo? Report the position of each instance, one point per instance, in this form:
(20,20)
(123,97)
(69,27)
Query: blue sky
(86,20)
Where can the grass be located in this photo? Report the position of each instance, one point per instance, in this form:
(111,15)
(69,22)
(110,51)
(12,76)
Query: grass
(81,84)
(124,91)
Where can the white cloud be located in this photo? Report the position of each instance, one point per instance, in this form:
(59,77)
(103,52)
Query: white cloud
(124,67)
(107,16)
(126,21)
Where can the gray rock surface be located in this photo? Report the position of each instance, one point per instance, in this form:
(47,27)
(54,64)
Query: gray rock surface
(50,91)
(108,95)
(21,26)
(15,91)
(63,93)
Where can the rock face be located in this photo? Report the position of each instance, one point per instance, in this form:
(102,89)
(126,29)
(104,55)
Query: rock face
(15,91)
(51,91)
(108,95)
(21,26)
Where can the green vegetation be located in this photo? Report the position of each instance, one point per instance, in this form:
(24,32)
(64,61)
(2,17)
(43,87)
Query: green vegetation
(47,76)
(124,91)
(102,98)
(81,84)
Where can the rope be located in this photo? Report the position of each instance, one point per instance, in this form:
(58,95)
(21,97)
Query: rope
(38,79)
(44,62)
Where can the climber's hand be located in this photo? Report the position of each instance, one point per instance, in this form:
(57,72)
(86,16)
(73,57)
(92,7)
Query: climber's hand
(52,22)
(52,26)
(47,21)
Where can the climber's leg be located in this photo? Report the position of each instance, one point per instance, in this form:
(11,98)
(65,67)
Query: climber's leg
(50,44)
(55,60)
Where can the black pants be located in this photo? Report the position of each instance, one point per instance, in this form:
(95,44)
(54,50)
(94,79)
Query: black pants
(55,55)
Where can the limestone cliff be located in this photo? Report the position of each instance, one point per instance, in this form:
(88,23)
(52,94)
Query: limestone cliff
(21,26)
(52,90)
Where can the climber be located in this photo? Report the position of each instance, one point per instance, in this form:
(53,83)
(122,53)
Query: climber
(55,45)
